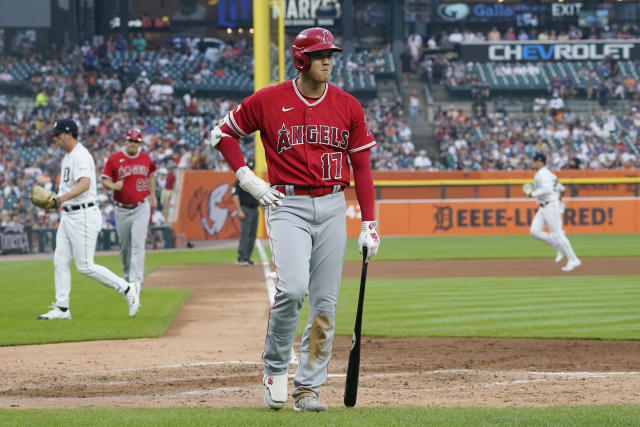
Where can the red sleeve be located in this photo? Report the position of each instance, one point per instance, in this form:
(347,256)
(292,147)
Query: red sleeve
(360,137)
(152,166)
(244,119)
(363,179)
(109,169)
(230,150)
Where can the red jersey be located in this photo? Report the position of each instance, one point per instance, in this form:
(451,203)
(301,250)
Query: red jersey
(133,171)
(306,141)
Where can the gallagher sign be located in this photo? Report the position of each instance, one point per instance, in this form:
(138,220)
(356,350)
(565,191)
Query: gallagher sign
(549,51)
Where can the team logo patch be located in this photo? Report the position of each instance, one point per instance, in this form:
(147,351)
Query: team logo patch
(65,175)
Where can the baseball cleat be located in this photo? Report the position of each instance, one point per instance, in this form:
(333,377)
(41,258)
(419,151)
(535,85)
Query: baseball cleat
(559,256)
(275,390)
(309,403)
(132,299)
(55,313)
(572,265)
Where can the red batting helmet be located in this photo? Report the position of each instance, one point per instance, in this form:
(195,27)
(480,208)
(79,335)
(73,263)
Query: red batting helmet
(311,40)
(134,135)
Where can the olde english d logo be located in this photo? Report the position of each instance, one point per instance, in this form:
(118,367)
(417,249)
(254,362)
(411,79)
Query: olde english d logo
(65,175)
(443,218)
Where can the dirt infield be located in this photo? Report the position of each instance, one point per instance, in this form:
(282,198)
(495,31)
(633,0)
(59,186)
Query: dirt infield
(210,357)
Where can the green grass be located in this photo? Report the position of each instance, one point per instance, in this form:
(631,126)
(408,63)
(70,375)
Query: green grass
(590,307)
(553,307)
(98,312)
(518,246)
(604,415)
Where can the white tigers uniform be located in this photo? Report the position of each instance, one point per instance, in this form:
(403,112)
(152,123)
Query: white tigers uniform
(80,224)
(546,191)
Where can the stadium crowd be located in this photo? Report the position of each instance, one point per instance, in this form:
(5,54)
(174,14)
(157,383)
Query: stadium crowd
(106,101)
(496,141)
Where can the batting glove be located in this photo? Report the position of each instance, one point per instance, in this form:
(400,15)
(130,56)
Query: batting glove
(259,189)
(369,238)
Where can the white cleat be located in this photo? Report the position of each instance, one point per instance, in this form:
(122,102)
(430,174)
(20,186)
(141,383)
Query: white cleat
(275,390)
(572,265)
(55,313)
(559,256)
(132,299)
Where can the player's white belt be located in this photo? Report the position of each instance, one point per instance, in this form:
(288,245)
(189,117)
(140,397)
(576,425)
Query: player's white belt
(78,207)
(129,206)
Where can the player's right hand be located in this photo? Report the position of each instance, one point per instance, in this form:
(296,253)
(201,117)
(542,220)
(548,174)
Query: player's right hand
(258,188)
(369,238)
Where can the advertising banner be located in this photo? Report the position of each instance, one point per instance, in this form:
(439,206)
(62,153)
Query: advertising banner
(206,210)
(503,216)
(553,51)
(14,239)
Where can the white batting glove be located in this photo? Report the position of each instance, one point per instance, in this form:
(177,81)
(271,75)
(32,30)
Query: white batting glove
(259,189)
(369,238)
(216,134)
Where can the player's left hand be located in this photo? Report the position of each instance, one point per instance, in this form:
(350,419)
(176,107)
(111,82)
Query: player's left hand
(369,238)
(527,189)
(43,198)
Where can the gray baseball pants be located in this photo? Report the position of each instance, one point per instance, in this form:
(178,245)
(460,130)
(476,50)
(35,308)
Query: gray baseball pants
(308,239)
(132,226)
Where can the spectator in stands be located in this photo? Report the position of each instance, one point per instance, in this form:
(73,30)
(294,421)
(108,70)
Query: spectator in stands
(494,35)
(556,106)
(509,34)
(603,95)
(139,44)
(414,107)
(422,161)
(414,43)
(167,192)
(432,44)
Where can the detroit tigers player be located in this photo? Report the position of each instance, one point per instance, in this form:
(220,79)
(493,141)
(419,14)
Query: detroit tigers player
(546,192)
(129,173)
(310,130)
(80,223)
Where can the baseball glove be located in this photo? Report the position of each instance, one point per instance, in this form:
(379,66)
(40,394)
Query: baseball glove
(43,198)
(527,189)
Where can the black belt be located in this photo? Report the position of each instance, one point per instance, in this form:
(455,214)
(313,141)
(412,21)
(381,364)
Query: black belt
(129,206)
(543,204)
(78,207)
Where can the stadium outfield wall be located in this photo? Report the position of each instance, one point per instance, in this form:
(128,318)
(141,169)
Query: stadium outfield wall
(436,203)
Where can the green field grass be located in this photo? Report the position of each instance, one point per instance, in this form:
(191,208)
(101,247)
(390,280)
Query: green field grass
(599,307)
(491,247)
(606,415)
(587,307)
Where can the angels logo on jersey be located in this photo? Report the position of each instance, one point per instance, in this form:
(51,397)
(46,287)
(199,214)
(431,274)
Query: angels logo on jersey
(311,134)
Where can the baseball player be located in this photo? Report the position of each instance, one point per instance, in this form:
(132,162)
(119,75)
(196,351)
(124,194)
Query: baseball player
(310,130)
(130,174)
(247,208)
(80,224)
(546,191)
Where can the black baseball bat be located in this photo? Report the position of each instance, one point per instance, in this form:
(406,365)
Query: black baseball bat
(353,370)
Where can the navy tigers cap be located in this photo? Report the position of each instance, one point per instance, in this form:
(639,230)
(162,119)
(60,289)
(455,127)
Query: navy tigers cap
(540,156)
(64,125)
